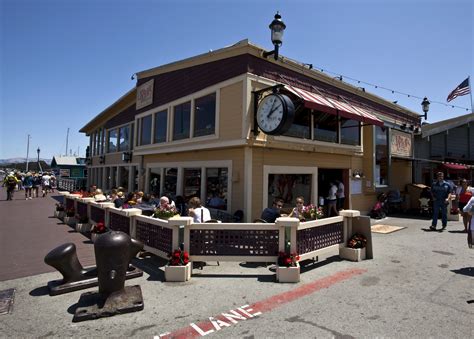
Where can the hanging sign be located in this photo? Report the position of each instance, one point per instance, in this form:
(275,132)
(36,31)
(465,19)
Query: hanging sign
(145,94)
(401,144)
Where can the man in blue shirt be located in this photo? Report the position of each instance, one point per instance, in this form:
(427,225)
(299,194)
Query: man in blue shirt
(270,214)
(440,191)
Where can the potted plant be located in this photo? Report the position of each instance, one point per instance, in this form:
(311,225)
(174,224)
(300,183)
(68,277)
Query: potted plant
(288,269)
(356,248)
(97,229)
(165,212)
(179,266)
(312,212)
(82,223)
(69,218)
(60,211)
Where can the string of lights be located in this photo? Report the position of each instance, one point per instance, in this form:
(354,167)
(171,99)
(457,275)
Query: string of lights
(342,77)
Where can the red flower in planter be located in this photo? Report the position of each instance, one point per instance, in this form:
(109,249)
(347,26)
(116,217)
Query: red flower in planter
(178,258)
(99,228)
(288,259)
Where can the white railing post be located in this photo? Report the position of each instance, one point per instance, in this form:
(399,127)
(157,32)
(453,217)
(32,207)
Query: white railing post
(288,227)
(348,215)
(179,226)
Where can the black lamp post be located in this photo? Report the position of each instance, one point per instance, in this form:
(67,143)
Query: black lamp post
(277,27)
(425,105)
(38,151)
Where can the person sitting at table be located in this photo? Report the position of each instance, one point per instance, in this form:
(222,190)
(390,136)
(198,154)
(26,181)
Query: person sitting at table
(297,211)
(270,214)
(199,213)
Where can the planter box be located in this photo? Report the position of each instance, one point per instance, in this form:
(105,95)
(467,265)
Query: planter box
(83,228)
(288,274)
(94,236)
(178,273)
(352,254)
(59,214)
(71,221)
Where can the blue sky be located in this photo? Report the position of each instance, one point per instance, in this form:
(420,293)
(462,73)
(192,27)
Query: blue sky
(63,62)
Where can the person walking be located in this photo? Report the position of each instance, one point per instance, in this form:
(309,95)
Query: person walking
(331,200)
(463,195)
(469,210)
(341,196)
(36,185)
(10,181)
(440,191)
(28,184)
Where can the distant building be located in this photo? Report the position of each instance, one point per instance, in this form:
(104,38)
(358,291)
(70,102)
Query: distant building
(446,146)
(70,169)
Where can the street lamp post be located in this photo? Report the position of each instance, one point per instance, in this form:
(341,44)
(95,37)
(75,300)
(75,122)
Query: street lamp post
(425,105)
(39,164)
(277,27)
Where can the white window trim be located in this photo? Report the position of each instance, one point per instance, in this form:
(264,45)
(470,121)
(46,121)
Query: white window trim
(267,170)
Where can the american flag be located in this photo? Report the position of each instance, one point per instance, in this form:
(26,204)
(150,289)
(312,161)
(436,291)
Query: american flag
(462,89)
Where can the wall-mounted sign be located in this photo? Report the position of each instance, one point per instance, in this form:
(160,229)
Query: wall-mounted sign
(401,144)
(64,173)
(77,173)
(145,94)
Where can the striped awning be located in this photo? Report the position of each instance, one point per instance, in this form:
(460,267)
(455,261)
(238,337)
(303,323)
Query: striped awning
(335,106)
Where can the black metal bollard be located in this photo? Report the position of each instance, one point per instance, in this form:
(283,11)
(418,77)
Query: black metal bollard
(64,259)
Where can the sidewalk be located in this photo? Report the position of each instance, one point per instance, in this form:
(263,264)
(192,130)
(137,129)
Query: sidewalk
(418,285)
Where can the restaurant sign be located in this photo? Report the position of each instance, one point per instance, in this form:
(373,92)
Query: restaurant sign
(145,94)
(402,144)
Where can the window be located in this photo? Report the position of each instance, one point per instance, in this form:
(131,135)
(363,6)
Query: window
(192,183)
(94,143)
(124,172)
(381,156)
(112,141)
(350,132)
(100,141)
(325,127)
(161,122)
(288,187)
(171,178)
(205,115)
(301,127)
(155,181)
(145,130)
(181,122)
(216,187)
(124,138)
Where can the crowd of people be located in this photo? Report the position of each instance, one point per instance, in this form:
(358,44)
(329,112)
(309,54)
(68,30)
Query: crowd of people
(30,182)
(149,203)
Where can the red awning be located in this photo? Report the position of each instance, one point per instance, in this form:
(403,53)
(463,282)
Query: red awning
(455,167)
(335,106)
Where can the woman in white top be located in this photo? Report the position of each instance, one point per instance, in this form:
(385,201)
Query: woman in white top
(469,208)
(198,212)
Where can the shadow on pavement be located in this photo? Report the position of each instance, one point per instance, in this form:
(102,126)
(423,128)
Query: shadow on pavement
(151,264)
(39,291)
(469,271)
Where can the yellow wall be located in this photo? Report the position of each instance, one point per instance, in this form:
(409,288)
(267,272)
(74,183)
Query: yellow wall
(230,112)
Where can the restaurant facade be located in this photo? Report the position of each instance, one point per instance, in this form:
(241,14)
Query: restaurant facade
(237,130)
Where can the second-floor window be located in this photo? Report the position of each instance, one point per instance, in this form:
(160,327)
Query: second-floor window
(124,138)
(112,141)
(145,130)
(205,115)
(181,121)
(161,123)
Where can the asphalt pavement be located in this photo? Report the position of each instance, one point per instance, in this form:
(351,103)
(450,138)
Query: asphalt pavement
(419,284)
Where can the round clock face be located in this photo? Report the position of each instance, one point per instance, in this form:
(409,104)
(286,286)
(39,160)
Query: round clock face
(275,113)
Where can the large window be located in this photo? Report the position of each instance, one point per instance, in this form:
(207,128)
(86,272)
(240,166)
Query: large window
(205,115)
(124,173)
(155,181)
(112,141)
(288,187)
(124,138)
(145,130)
(181,121)
(381,156)
(171,178)
(161,122)
(326,127)
(192,183)
(216,187)
(350,132)
(301,127)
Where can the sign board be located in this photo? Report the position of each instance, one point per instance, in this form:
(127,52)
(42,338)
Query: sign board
(145,94)
(76,173)
(64,173)
(401,144)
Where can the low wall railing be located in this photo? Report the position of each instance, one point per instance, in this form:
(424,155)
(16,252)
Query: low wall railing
(238,242)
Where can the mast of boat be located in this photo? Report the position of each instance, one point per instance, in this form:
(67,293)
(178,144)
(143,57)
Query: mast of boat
(67,139)
(27,152)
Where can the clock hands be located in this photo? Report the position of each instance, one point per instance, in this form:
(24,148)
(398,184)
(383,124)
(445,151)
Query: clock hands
(273,109)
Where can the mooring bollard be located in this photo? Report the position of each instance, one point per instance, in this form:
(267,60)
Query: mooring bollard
(113,252)
(75,277)
(64,259)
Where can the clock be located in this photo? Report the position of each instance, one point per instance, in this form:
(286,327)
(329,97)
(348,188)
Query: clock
(275,114)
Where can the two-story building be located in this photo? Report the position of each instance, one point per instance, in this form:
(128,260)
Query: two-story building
(234,127)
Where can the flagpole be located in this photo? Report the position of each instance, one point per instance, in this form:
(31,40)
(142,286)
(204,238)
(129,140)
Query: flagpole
(470,92)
